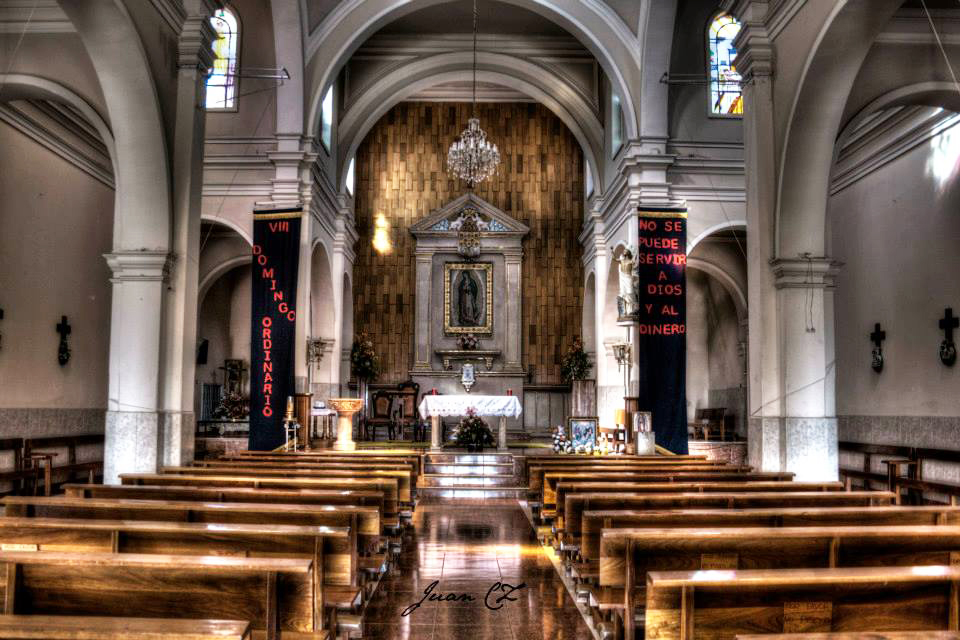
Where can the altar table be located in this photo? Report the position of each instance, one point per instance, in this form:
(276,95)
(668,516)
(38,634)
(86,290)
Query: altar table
(434,407)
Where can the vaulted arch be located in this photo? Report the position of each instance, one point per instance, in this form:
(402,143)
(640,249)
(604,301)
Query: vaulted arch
(594,24)
(533,80)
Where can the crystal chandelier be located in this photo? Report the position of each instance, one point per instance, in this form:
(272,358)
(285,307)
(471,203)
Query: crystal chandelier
(473,158)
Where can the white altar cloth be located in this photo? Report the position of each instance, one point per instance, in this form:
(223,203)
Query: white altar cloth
(505,406)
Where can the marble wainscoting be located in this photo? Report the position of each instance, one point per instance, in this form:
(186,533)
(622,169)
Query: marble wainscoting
(38,423)
(934,432)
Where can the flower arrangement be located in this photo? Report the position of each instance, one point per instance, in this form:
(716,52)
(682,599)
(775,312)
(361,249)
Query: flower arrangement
(576,363)
(560,442)
(364,362)
(468,342)
(233,406)
(472,432)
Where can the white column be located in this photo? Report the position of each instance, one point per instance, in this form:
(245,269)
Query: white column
(132,424)
(422,355)
(502,439)
(435,444)
(177,419)
(514,336)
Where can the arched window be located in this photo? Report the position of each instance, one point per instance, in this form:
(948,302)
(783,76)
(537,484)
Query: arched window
(222,81)
(726,99)
(326,119)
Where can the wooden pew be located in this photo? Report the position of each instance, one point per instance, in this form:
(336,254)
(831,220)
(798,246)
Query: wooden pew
(19,475)
(857,635)
(576,503)
(552,478)
(388,486)
(594,522)
(565,488)
(331,549)
(274,594)
(628,555)
(688,605)
(68,466)
(412,457)
(16,627)
(356,497)
(362,520)
(535,471)
(407,486)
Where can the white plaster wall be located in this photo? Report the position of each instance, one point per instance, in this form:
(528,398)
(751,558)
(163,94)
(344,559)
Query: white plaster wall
(897,232)
(225,321)
(698,350)
(56,223)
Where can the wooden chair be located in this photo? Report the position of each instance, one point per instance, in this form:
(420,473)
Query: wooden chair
(381,414)
(707,421)
(408,393)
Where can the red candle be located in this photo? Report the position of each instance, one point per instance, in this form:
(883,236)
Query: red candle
(509,392)
(434,391)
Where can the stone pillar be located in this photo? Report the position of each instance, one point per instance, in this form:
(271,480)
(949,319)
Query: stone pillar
(422,355)
(803,437)
(512,351)
(133,424)
(177,419)
(502,436)
(435,427)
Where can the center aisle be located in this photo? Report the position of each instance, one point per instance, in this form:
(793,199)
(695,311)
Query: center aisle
(469,549)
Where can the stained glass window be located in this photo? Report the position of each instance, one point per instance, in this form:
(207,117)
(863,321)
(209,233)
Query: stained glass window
(725,95)
(326,118)
(222,81)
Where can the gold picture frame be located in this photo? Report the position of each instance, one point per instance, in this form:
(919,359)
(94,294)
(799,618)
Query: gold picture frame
(468,298)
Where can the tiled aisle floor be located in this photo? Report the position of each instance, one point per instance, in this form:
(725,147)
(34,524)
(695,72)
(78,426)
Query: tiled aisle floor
(468,548)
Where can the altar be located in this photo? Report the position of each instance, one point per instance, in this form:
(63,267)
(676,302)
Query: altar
(503,407)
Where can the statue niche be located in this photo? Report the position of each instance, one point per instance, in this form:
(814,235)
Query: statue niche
(468,259)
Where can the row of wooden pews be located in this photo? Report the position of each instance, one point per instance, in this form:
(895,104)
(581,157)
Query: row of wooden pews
(684,548)
(292,545)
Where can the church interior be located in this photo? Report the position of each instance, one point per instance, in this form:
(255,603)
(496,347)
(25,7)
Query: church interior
(514,319)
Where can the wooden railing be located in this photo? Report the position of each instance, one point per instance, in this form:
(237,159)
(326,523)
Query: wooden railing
(904,471)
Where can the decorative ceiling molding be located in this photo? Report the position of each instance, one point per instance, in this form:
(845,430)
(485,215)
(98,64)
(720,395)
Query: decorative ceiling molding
(33,16)
(63,132)
(172,12)
(910,26)
(885,137)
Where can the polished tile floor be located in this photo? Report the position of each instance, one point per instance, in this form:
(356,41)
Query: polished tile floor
(468,549)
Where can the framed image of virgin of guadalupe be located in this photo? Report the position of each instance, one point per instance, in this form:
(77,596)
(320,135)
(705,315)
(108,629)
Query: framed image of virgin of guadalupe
(468,298)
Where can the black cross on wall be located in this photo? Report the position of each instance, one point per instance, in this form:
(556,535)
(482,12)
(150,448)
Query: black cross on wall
(949,323)
(878,336)
(63,351)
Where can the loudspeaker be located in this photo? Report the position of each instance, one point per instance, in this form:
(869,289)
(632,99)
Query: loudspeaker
(203,345)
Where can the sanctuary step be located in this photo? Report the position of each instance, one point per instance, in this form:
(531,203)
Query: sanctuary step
(469,475)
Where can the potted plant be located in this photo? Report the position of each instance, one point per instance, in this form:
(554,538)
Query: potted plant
(364,365)
(473,433)
(575,369)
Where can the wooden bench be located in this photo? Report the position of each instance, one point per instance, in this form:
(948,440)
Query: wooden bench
(565,488)
(46,447)
(331,549)
(16,627)
(372,455)
(388,486)
(628,555)
(553,478)
(362,498)
(18,475)
(576,503)
(274,594)
(363,522)
(404,474)
(535,471)
(683,605)
(594,522)
(858,635)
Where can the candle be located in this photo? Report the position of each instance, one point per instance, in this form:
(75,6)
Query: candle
(509,392)
(289,404)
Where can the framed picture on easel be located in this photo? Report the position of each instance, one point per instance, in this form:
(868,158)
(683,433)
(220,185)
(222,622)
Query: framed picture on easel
(583,431)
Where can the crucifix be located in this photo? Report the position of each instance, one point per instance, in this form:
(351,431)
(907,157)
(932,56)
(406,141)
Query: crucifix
(63,351)
(948,350)
(878,336)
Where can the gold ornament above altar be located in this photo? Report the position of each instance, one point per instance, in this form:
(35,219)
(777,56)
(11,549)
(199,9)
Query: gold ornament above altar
(468,234)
